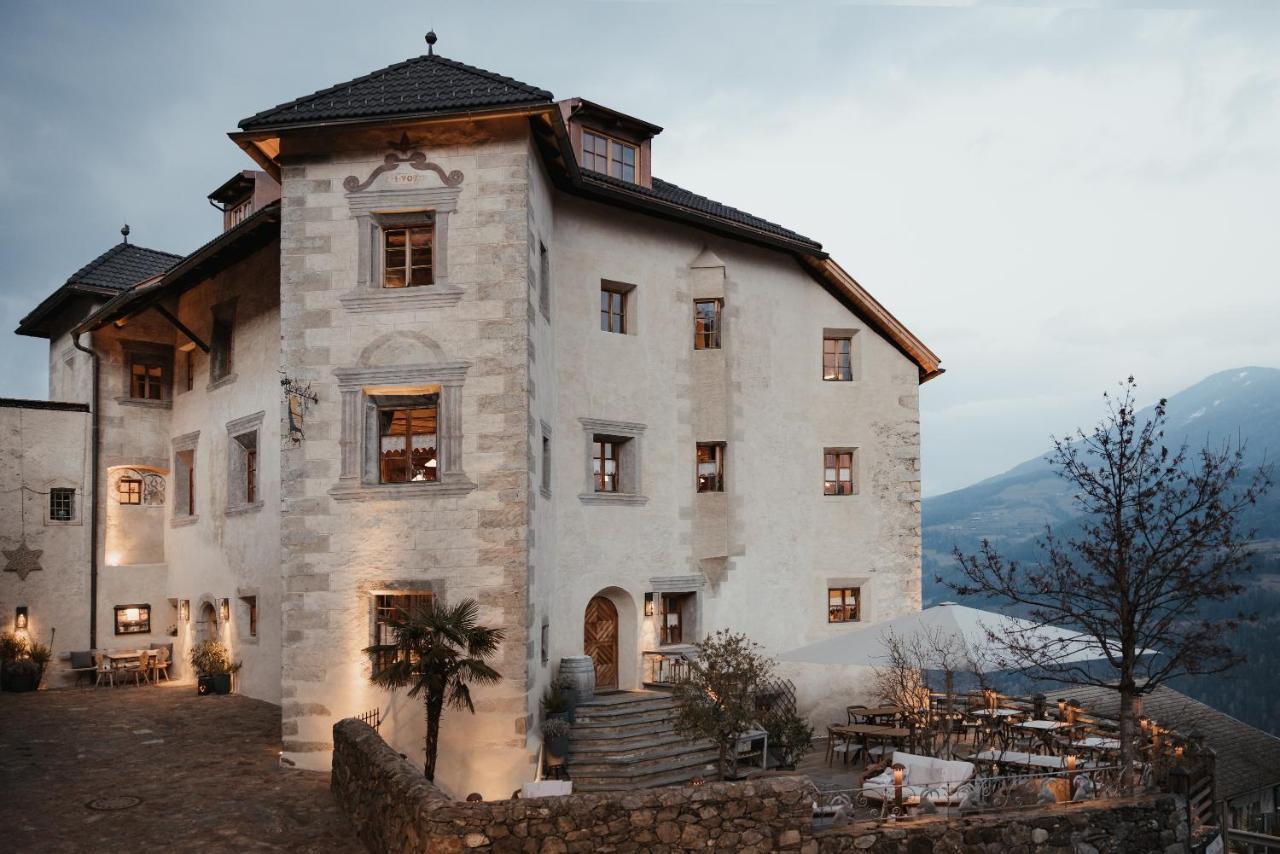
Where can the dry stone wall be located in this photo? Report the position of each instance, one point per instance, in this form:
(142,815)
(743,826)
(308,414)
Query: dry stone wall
(392,808)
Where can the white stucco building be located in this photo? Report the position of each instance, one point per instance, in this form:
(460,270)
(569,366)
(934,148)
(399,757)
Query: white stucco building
(457,341)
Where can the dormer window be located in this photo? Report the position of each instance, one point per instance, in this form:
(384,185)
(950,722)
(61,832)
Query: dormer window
(609,156)
(239,213)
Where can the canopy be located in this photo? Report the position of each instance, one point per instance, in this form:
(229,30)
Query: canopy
(962,632)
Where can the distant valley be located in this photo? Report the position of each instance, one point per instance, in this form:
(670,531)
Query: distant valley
(1012,509)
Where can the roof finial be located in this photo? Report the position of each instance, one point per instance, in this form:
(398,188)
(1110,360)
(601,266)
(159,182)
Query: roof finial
(431,42)
(124,232)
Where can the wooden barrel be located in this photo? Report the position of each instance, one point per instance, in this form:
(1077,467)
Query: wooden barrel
(581,670)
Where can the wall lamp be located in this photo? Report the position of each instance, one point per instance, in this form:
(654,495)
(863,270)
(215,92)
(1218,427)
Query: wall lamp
(20,618)
(224,609)
(184,609)
(648,604)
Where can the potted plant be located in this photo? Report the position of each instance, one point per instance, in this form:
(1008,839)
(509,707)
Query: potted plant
(790,736)
(555,705)
(212,663)
(18,672)
(555,740)
(564,685)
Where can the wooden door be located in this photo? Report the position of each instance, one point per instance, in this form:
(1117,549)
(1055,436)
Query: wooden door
(600,640)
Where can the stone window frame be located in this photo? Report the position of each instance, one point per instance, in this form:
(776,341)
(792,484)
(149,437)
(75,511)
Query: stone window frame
(855,360)
(186,443)
(249,629)
(859,583)
(237,501)
(629,435)
(76,501)
(855,479)
(400,587)
(626,291)
(222,313)
(373,210)
(129,348)
(356,388)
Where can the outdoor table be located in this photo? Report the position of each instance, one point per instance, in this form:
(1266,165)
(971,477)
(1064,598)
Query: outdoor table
(1043,726)
(866,732)
(120,659)
(870,713)
(1096,742)
(1022,759)
(998,713)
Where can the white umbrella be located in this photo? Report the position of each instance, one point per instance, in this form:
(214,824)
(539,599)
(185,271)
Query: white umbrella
(966,632)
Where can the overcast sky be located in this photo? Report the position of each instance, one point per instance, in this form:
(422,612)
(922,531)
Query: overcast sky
(1052,196)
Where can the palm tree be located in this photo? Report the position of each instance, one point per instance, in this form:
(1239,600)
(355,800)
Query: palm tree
(438,654)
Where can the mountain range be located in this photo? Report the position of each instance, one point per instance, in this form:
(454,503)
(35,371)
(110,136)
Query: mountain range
(1011,511)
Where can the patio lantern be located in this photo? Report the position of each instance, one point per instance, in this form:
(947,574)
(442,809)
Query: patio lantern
(1062,709)
(224,609)
(20,618)
(899,772)
(1070,763)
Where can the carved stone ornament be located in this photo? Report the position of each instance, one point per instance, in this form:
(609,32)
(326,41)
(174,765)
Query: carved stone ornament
(415,159)
(22,560)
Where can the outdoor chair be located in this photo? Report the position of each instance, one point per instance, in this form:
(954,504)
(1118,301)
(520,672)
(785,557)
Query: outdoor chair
(82,665)
(131,667)
(842,744)
(104,670)
(160,664)
(852,713)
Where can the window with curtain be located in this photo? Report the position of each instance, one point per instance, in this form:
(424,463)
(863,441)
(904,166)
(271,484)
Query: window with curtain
(407,430)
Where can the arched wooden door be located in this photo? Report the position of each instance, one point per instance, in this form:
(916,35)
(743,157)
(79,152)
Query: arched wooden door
(600,640)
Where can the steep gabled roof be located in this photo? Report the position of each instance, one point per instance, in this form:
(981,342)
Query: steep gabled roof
(416,87)
(112,272)
(1248,759)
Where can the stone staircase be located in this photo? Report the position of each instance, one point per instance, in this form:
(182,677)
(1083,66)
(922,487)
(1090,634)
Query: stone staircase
(627,740)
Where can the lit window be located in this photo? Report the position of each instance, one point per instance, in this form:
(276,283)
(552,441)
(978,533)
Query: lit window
(146,378)
(407,433)
(843,604)
(129,490)
(604,463)
(706,324)
(711,467)
(407,260)
(613,309)
(836,364)
(133,619)
(62,504)
(838,472)
(389,610)
(609,156)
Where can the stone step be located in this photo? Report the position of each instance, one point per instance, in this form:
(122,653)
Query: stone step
(616,722)
(654,737)
(676,777)
(595,712)
(630,767)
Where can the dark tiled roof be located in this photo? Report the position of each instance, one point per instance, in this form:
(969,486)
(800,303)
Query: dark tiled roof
(672,194)
(1248,759)
(422,85)
(122,266)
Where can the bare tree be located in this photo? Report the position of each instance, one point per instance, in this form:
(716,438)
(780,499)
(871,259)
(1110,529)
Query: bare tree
(1157,539)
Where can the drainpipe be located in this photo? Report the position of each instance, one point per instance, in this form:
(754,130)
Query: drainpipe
(93,492)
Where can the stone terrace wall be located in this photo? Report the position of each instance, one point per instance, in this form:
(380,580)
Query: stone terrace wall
(392,808)
(1135,826)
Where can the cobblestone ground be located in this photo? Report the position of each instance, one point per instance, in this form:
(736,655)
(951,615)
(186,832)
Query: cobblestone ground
(203,770)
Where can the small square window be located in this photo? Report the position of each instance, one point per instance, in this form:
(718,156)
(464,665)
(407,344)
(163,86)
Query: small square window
(407,259)
(133,619)
(710,466)
(62,504)
(837,362)
(129,490)
(706,324)
(838,471)
(605,455)
(613,308)
(843,604)
(389,609)
(146,378)
(408,438)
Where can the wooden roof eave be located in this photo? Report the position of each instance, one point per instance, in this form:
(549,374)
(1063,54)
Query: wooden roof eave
(862,303)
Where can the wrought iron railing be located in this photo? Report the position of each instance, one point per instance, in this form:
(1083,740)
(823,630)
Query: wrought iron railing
(373,718)
(884,800)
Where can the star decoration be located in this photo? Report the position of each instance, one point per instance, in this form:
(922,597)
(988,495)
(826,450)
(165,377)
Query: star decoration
(22,560)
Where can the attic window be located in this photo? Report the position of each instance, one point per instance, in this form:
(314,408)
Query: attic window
(609,156)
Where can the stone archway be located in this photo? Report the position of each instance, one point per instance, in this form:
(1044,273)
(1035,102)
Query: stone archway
(207,623)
